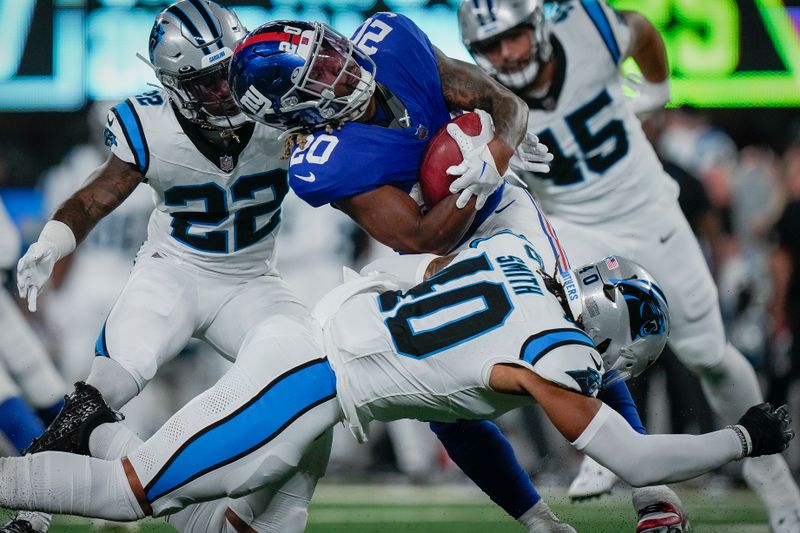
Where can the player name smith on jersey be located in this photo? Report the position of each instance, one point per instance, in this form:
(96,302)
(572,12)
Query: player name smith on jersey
(488,306)
(218,210)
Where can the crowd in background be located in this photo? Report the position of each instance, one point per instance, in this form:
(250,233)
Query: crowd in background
(743,202)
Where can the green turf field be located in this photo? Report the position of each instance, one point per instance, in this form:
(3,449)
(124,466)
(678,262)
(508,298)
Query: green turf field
(385,509)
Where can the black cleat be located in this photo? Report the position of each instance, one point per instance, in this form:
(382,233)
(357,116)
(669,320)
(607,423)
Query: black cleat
(18,526)
(83,411)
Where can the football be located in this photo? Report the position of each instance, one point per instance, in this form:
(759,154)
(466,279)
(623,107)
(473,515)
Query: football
(442,153)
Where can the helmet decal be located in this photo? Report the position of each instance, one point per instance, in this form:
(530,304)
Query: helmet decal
(645,314)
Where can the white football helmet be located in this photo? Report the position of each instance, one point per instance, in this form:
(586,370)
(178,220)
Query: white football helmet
(622,308)
(191,45)
(484,22)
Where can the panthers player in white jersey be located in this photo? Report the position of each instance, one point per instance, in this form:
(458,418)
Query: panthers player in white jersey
(482,335)
(207,267)
(607,192)
(92,278)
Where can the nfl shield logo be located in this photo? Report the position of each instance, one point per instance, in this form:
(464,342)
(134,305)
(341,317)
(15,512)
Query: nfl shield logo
(226,163)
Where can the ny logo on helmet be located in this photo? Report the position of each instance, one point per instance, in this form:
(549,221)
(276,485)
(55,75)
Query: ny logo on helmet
(255,102)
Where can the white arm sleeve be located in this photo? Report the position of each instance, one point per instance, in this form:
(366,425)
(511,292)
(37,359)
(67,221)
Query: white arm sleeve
(643,460)
(408,269)
(9,240)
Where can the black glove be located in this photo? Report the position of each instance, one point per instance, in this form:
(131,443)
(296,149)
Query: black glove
(768,429)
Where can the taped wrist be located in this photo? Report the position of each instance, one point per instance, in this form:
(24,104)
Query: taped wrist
(59,235)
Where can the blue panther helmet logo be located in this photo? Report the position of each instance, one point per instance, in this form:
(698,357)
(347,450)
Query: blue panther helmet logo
(155,37)
(647,307)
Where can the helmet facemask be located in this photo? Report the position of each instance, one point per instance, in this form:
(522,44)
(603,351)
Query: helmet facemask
(204,97)
(338,79)
(540,53)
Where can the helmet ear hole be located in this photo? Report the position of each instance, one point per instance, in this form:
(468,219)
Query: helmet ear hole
(603,346)
(610,292)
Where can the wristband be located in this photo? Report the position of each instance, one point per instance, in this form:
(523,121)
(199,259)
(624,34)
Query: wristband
(59,235)
(744,439)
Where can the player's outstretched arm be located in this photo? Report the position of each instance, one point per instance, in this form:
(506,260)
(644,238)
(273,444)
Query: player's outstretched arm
(467,87)
(392,217)
(643,460)
(106,188)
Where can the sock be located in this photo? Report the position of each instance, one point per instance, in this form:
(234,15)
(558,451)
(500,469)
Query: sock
(63,483)
(48,414)
(116,384)
(770,478)
(619,398)
(731,387)
(19,423)
(483,453)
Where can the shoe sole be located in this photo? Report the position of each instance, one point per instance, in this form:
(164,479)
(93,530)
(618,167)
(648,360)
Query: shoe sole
(589,497)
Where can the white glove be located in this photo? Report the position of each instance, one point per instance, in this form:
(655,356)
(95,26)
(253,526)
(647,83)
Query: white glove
(478,173)
(648,96)
(531,155)
(34,269)
(55,241)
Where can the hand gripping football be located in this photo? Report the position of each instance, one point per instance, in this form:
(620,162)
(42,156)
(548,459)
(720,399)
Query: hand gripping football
(441,154)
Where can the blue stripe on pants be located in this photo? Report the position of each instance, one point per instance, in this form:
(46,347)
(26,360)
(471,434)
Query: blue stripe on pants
(253,425)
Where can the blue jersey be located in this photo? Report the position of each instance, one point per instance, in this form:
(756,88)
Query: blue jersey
(361,157)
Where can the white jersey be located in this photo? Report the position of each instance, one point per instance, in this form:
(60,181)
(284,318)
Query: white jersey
(427,353)
(604,165)
(218,211)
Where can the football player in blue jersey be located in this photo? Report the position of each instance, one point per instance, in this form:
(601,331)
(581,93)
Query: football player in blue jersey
(359,114)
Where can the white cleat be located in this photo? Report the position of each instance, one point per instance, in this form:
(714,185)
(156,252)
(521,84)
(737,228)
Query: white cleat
(541,519)
(593,480)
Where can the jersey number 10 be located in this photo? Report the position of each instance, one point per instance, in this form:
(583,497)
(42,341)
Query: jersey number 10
(433,296)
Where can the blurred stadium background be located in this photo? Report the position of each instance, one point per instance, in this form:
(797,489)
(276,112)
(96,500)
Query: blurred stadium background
(731,138)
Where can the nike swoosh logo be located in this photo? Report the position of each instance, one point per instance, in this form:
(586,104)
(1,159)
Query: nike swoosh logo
(596,364)
(666,237)
(310,178)
(505,207)
(111,120)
